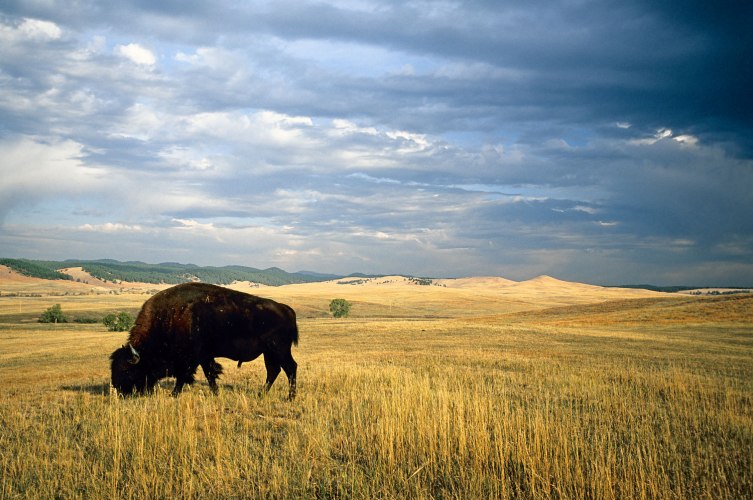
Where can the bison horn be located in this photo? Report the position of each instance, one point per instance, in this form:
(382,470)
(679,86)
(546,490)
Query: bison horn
(136,356)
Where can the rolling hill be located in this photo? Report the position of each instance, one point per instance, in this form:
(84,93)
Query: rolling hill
(113,271)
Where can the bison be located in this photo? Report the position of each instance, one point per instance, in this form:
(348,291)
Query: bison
(191,324)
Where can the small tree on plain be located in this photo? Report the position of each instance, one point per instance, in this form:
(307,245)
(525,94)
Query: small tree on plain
(53,315)
(120,323)
(340,308)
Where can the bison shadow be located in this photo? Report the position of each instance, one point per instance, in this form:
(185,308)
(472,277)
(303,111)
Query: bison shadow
(98,389)
(103,388)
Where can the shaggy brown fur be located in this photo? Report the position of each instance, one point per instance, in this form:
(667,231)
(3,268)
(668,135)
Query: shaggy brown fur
(187,326)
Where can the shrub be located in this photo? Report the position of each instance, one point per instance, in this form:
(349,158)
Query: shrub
(120,323)
(340,308)
(86,320)
(53,315)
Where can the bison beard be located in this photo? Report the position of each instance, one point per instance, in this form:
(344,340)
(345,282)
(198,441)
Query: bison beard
(187,326)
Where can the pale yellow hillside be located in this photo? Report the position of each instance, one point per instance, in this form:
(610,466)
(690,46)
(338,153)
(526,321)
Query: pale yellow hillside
(476,282)
(78,274)
(246,286)
(399,296)
(9,276)
(12,282)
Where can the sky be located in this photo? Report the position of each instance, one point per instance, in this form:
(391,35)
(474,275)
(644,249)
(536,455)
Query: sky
(607,142)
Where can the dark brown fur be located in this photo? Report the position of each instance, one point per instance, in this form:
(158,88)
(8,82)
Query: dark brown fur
(187,326)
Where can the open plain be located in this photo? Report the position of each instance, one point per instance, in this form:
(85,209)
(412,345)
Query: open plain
(473,388)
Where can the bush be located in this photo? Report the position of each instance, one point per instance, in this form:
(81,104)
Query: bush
(120,323)
(86,320)
(340,308)
(53,315)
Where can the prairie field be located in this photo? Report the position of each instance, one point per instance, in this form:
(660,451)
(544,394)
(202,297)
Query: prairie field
(480,390)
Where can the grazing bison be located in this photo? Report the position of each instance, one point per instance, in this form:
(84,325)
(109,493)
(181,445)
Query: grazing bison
(191,324)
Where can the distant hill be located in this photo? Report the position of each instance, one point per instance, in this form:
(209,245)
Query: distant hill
(36,268)
(322,276)
(718,290)
(166,272)
(171,273)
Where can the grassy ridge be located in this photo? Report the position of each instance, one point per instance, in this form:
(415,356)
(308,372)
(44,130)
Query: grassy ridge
(488,407)
(35,268)
(167,273)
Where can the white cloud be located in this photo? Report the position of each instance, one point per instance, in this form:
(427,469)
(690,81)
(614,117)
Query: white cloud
(192,225)
(262,127)
(686,139)
(666,133)
(32,167)
(376,180)
(280,119)
(186,157)
(136,54)
(142,121)
(411,142)
(30,29)
(213,58)
(111,227)
(344,127)
(585,209)
(663,133)
(96,45)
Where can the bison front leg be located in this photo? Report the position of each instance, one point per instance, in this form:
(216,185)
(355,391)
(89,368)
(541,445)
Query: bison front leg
(184,376)
(212,371)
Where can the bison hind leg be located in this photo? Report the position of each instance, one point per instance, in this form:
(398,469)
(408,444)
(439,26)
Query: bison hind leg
(273,369)
(212,371)
(281,361)
(291,369)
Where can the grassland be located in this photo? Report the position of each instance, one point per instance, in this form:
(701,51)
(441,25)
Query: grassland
(545,391)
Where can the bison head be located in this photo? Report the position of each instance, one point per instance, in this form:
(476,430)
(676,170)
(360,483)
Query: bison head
(128,374)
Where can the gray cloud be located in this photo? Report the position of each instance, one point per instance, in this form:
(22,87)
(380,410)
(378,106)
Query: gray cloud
(601,141)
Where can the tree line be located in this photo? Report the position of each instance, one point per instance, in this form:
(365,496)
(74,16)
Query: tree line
(120,322)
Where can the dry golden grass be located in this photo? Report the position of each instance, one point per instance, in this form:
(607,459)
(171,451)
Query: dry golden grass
(423,393)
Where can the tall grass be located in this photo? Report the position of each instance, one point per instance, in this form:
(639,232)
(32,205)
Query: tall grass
(396,409)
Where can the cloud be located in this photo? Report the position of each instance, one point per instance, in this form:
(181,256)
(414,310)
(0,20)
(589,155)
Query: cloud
(665,133)
(111,227)
(33,170)
(369,178)
(136,54)
(30,30)
(600,141)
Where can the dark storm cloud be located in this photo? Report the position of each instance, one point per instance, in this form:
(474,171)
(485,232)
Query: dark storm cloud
(651,64)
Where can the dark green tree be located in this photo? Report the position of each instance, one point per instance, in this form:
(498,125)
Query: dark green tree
(53,315)
(340,308)
(120,323)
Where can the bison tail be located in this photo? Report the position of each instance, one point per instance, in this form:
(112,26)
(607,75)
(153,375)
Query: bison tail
(295,334)
(294,329)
